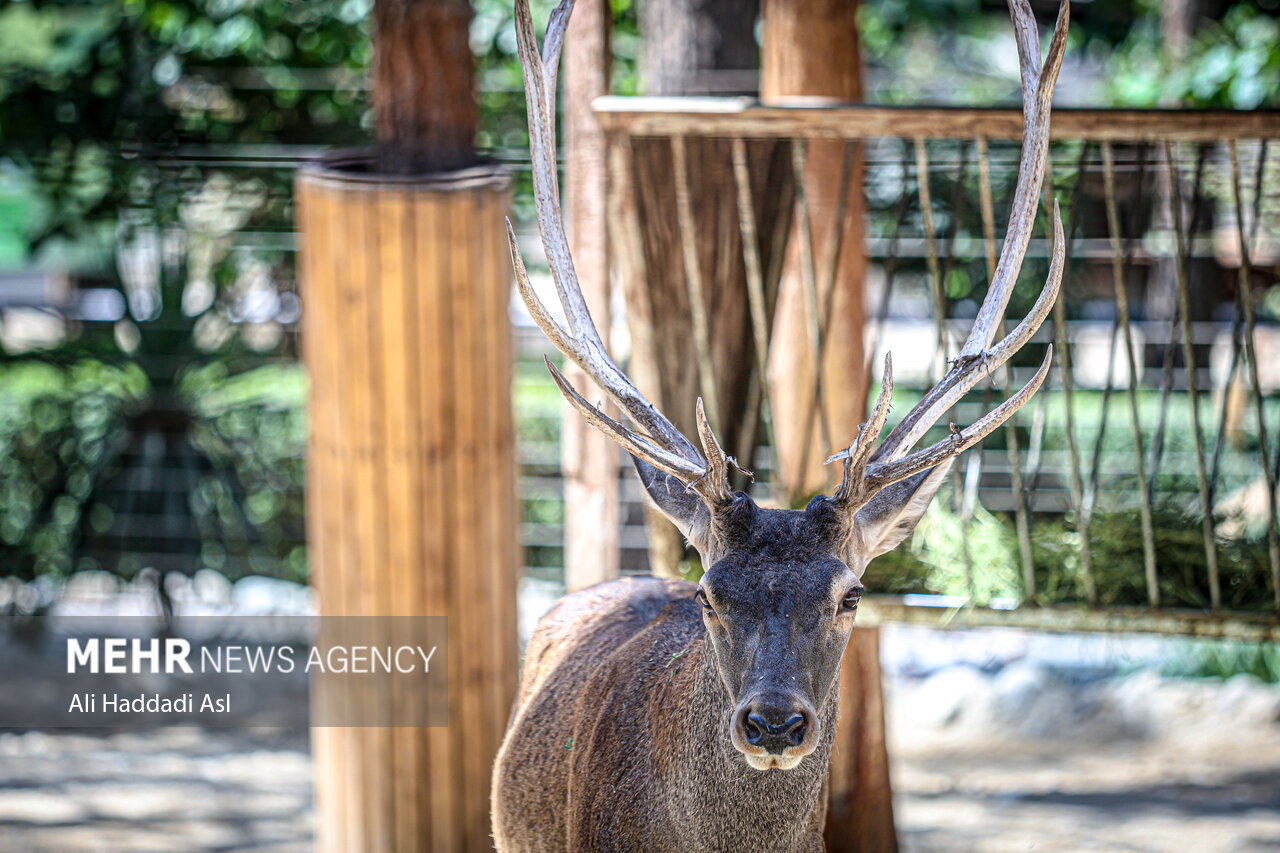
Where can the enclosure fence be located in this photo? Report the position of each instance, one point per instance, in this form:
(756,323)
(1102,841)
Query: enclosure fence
(1139,490)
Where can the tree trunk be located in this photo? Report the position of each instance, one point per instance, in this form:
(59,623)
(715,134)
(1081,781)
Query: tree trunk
(811,50)
(699,47)
(424,104)
(696,47)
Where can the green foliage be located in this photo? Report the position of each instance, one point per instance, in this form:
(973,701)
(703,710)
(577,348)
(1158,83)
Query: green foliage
(1233,63)
(56,428)
(92,93)
(934,560)
(60,425)
(1204,659)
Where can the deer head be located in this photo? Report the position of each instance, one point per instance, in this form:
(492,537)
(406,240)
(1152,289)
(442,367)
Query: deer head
(781,587)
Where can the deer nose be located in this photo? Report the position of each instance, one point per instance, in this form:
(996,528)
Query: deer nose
(775,728)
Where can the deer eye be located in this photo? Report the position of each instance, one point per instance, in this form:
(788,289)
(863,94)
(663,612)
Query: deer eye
(706,605)
(851,599)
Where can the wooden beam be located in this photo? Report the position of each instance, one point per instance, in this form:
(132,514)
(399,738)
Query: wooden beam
(1253,628)
(589,460)
(826,117)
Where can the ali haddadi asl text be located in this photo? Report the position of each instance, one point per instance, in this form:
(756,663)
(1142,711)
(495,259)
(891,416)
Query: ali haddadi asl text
(114,703)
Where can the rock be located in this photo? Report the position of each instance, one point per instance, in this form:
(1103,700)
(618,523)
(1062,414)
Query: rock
(1016,688)
(533,599)
(1244,698)
(90,586)
(40,807)
(259,595)
(949,696)
(211,587)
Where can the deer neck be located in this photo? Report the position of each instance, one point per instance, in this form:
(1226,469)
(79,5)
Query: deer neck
(737,807)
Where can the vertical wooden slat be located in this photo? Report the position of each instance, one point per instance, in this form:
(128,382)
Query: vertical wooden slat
(407,299)
(1193,390)
(1066,370)
(402,470)
(1250,353)
(323,474)
(465,516)
(693,281)
(436,351)
(1122,309)
(754,270)
(816,407)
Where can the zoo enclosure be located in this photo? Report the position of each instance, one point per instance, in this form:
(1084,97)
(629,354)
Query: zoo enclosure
(1040,476)
(1162,418)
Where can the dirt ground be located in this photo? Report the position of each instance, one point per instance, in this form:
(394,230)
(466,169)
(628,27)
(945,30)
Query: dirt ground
(1206,796)
(1010,756)
(1025,759)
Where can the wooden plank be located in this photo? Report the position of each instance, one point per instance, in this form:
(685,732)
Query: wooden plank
(402,493)
(435,348)
(313,212)
(878,609)
(494,270)
(468,608)
(746,117)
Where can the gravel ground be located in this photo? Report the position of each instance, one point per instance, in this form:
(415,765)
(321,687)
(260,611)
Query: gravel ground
(177,789)
(1132,764)
(1001,741)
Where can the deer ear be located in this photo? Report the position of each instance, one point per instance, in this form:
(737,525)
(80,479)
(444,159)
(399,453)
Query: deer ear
(890,516)
(683,507)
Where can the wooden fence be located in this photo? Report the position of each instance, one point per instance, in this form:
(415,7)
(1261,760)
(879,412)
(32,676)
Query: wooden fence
(1164,411)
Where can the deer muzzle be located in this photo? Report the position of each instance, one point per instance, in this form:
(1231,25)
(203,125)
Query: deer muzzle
(774,731)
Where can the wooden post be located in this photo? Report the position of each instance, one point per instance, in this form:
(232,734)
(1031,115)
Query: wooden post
(589,460)
(411,503)
(810,50)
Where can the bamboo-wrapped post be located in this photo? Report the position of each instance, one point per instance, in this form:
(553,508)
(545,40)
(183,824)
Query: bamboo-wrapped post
(411,471)
(811,50)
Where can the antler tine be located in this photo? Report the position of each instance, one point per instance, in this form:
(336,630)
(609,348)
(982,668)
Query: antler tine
(880,475)
(660,443)
(631,441)
(856,456)
(966,372)
(717,476)
(977,357)
(1037,94)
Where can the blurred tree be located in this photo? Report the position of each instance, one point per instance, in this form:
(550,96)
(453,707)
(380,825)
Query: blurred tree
(109,111)
(423,91)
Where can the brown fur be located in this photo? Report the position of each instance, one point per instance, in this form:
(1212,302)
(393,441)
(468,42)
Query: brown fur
(618,741)
(620,737)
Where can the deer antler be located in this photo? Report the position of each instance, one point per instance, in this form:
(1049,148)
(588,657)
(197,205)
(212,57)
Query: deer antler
(866,473)
(867,469)
(658,441)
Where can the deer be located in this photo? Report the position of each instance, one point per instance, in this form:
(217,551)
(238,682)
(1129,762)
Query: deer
(670,716)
